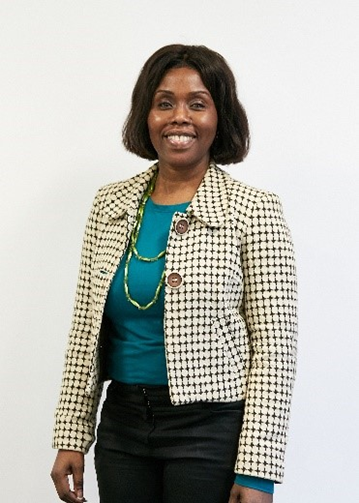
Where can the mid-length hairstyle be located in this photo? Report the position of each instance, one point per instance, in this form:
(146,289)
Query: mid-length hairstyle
(231,143)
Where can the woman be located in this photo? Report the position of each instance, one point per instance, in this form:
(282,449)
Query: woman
(186,300)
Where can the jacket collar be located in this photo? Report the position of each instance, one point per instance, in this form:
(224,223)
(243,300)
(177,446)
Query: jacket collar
(209,204)
(127,196)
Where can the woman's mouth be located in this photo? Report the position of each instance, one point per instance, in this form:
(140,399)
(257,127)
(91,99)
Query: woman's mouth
(180,140)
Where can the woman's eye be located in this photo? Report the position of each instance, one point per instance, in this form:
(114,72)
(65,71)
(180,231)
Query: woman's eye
(198,105)
(163,105)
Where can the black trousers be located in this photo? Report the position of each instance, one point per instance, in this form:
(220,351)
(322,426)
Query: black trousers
(149,451)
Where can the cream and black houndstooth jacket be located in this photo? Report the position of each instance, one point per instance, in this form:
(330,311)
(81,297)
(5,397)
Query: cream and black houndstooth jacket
(230,323)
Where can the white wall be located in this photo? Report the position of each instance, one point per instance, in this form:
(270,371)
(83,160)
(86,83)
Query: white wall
(67,70)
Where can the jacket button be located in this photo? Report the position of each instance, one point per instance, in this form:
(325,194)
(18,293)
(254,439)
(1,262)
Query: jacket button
(181,226)
(174,280)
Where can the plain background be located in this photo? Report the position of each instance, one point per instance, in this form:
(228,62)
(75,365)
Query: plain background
(67,71)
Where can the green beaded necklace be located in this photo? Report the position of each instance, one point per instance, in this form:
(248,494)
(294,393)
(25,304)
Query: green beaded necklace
(132,250)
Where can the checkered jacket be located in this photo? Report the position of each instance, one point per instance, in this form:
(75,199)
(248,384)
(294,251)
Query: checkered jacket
(229,322)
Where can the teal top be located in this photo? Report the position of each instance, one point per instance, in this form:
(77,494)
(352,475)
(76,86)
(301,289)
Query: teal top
(136,352)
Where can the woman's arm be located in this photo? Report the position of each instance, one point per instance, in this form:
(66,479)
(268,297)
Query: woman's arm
(69,464)
(76,410)
(269,307)
(240,494)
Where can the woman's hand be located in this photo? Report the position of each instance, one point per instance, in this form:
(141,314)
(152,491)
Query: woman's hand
(241,494)
(67,464)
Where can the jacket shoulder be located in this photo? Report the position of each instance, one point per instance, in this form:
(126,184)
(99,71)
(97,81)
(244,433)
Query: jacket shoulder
(124,185)
(239,188)
(246,198)
(117,198)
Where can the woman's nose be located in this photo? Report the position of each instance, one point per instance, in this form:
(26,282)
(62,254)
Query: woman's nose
(181,114)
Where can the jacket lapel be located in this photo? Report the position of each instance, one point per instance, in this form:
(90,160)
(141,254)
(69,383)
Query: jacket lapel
(126,199)
(210,203)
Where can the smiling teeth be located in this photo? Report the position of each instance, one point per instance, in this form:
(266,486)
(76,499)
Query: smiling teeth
(180,138)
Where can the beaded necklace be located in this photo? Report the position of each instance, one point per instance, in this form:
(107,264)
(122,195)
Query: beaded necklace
(132,250)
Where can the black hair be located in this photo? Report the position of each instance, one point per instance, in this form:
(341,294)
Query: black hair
(231,143)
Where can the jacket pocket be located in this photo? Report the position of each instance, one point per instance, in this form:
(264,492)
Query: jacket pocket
(232,337)
(100,279)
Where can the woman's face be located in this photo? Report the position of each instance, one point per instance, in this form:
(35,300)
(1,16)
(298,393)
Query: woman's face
(183,120)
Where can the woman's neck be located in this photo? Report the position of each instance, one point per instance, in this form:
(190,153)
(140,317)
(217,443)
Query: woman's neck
(174,186)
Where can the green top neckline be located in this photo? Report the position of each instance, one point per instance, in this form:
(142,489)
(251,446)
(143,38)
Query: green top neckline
(167,208)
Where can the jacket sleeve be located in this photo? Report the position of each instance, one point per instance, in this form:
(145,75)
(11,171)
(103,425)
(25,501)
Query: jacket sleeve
(270,310)
(75,416)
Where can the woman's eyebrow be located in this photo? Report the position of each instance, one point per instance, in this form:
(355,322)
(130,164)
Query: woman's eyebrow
(192,93)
